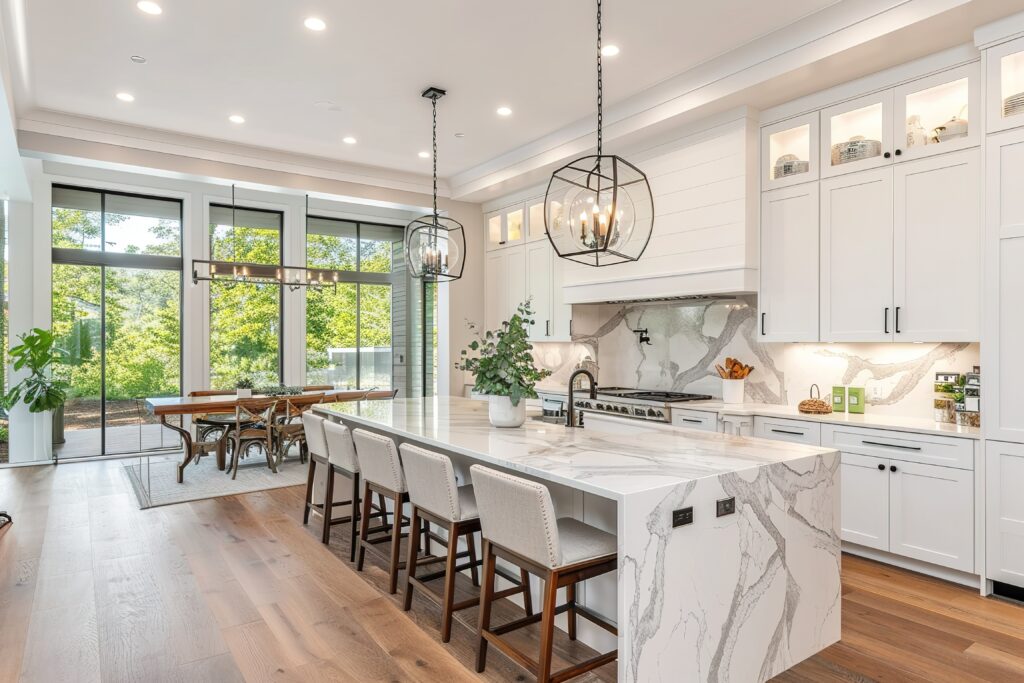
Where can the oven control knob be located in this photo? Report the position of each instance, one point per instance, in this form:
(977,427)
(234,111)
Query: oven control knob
(661,414)
(650,412)
(600,406)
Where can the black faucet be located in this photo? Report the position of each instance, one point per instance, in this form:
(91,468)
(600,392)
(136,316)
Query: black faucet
(570,418)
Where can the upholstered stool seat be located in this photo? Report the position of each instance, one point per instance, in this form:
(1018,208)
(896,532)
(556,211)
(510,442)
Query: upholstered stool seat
(519,525)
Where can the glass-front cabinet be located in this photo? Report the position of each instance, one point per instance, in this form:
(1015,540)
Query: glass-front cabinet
(933,114)
(857,134)
(1005,79)
(535,229)
(506,227)
(789,152)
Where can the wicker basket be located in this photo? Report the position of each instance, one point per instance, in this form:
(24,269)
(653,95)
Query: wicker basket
(814,405)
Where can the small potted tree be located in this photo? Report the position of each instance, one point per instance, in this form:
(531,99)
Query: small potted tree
(503,368)
(40,391)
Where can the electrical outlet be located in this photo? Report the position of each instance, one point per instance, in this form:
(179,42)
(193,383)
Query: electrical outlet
(876,392)
(682,517)
(726,506)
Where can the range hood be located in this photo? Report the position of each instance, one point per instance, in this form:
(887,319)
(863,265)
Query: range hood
(708,286)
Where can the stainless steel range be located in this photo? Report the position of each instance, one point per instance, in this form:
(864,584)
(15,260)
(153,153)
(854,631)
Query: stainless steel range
(639,404)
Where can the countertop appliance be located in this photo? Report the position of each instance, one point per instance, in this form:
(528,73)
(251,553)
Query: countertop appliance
(639,404)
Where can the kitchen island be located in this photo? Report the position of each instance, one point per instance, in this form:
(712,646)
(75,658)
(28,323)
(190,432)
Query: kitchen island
(740,597)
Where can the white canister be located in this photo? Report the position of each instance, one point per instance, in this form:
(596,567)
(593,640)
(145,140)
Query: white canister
(503,414)
(244,393)
(732,390)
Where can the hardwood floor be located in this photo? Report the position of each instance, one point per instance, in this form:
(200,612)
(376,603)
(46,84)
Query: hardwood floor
(93,589)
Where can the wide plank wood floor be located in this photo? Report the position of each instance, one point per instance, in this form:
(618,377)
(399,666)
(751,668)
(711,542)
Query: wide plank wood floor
(232,589)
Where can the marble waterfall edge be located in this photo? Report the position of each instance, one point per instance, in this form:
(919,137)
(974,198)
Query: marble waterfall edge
(742,597)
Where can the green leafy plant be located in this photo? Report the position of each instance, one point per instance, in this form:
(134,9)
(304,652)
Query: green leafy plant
(503,364)
(41,392)
(244,382)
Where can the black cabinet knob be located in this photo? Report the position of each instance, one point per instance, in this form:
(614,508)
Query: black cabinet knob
(881,467)
(899,152)
(892,468)
(886,155)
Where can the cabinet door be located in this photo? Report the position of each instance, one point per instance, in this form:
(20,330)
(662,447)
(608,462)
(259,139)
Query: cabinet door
(857,135)
(1005,517)
(561,312)
(937,248)
(1005,85)
(865,500)
(538,288)
(788,299)
(516,292)
(535,229)
(938,114)
(932,514)
(495,230)
(789,152)
(856,257)
(495,289)
(515,223)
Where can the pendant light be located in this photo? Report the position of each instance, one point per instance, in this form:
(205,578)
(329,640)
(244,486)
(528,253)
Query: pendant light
(598,209)
(435,245)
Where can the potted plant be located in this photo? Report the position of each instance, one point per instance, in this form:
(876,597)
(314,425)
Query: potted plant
(40,391)
(244,385)
(503,368)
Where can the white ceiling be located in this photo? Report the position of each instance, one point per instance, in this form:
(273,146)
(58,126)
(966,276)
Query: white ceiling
(211,58)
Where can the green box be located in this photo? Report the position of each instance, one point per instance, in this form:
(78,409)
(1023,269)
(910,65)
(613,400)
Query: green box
(855,400)
(838,399)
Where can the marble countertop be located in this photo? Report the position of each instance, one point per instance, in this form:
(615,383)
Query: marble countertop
(869,419)
(609,463)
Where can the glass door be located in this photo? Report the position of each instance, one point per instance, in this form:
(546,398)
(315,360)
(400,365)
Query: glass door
(857,135)
(938,114)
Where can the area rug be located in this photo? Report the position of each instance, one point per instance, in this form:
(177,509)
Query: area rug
(159,486)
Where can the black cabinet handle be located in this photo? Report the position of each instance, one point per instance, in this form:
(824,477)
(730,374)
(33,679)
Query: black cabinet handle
(762,323)
(886,319)
(881,467)
(899,152)
(691,420)
(890,445)
(897,320)
(786,431)
(886,155)
(892,468)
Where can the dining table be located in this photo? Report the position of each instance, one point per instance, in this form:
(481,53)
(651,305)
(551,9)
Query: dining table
(170,406)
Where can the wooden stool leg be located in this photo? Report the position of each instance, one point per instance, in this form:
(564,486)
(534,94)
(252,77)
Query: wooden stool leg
(471,547)
(486,596)
(356,517)
(309,490)
(570,595)
(396,541)
(364,525)
(547,629)
(384,511)
(328,505)
(449,584)
(524,578)
(410,564)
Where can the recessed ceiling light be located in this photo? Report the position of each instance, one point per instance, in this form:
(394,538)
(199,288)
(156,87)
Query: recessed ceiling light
(315,24)
(460,135)
(138,59)
(236,118)
(126,97)
(504,111)
(149,7)
(609,50)
(424,155)
(349,140)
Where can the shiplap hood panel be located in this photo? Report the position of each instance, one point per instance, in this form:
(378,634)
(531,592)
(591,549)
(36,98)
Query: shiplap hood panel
(704,242)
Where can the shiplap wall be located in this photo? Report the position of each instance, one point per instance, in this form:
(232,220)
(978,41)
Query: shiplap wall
(705,206)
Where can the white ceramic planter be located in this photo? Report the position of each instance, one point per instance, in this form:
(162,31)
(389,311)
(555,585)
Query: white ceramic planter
(244,393)
(503,414)
(732,390)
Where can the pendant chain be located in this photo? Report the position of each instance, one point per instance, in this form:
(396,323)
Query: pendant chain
(600,83)
(433,102)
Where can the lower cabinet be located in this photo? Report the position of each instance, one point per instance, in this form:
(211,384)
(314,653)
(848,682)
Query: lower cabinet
(1005,499)
(865,500)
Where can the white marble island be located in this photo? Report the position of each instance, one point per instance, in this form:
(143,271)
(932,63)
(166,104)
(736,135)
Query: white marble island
(735,598)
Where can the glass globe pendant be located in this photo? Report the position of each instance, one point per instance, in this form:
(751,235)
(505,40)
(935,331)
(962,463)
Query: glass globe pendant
(435,245)
(598,209)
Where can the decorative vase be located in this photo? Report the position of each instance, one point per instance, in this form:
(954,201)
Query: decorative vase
(503,414)
(244,393)
(732,390)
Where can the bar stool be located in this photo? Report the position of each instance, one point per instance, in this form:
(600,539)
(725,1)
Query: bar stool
(519,526)
(436,497)
(381,470)
(341,455)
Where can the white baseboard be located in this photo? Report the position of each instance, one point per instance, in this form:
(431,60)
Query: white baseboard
(944,573)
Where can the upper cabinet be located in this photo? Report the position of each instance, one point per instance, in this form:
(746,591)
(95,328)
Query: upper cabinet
(928,116)
(787,306)
(789,152)
(515,224)
(1005,79)
(535,229)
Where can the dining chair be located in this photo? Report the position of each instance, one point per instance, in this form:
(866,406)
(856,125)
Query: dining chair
(212,422)
(254,425)
(288,426)
(380,394)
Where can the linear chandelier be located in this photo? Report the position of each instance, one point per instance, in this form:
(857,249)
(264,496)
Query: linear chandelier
(293,277)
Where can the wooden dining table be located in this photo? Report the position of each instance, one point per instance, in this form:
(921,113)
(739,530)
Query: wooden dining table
(191,405)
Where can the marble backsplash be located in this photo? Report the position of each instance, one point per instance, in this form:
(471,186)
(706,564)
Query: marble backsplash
(687,340)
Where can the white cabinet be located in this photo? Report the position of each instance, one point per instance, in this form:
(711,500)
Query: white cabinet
(788,296)
(785,429)
(703,420)
(789,152)
(856,257)
(527,271)
(540,272)
(857,134)
(901,252)
(1005,513)
(506,227)
(931,514)
(1005,85)
(865,500)
(504,285)
(937,248)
